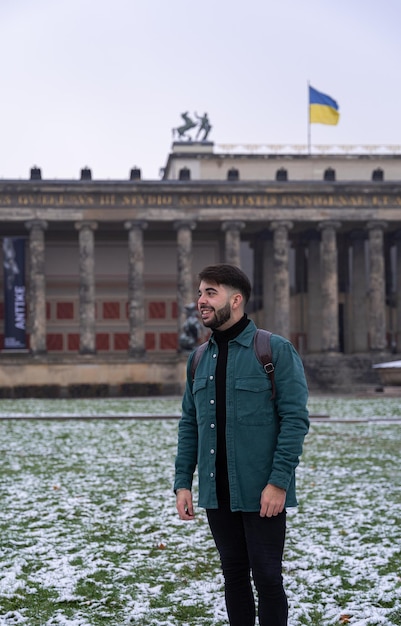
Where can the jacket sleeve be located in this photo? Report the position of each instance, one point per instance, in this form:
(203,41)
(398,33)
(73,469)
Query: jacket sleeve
(291,407)
(187,448)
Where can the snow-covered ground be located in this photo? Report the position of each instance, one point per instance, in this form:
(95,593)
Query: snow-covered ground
(348,408)
(90,536)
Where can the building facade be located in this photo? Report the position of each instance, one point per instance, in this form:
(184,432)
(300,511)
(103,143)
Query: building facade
(111,265)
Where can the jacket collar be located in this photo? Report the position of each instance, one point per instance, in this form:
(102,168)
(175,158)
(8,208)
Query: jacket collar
(245,338)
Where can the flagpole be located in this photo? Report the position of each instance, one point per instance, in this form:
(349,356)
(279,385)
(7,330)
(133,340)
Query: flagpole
(309,124)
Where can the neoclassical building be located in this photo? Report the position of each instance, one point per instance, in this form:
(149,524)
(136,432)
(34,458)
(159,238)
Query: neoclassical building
(111,265)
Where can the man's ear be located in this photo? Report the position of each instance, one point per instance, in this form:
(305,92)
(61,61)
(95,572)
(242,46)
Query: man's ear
(237,300)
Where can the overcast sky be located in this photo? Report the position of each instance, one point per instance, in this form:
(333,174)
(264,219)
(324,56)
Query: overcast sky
(101,83)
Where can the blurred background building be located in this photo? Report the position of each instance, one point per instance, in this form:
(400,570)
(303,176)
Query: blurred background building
(110,265)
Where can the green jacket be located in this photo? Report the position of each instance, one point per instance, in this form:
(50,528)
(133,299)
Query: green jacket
(264,437)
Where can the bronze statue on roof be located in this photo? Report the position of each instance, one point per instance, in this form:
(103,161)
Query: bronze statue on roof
(203,124)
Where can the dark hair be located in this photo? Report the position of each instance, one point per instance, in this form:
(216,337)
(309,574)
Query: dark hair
(229,275)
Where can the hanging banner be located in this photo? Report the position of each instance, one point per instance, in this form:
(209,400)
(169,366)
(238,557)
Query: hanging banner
(14,293)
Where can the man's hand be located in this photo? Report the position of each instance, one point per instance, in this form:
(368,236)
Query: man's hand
(184,504)
(272,501)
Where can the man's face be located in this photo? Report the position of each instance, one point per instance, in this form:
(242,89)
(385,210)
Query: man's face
(215,305)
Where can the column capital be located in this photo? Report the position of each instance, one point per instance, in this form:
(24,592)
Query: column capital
(86,224)
(276,224)
(329,224)
(191,224)
(232,225)
(139,224)
(41,224)
(380,224)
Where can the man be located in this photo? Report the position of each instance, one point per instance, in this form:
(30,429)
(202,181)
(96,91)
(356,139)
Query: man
(246,446)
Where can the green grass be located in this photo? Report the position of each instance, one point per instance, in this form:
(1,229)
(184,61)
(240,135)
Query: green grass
(90,536)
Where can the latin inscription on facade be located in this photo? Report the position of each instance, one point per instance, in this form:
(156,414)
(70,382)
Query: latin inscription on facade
(198,200)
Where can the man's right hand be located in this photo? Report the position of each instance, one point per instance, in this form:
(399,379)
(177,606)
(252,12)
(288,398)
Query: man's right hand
(184,504)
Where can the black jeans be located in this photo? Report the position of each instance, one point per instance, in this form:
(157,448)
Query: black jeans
(246,542)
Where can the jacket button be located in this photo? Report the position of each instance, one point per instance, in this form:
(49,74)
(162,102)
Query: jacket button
(211,474)
(215,356)
(211,401)
(211,425)
(211,377)
(212,451)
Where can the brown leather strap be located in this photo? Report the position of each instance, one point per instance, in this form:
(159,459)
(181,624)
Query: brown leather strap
(196,358)
(263,351)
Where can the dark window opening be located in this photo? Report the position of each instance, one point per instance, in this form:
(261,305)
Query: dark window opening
(378,174)
(281,174)
(233,174)
(329,174)
(184,174)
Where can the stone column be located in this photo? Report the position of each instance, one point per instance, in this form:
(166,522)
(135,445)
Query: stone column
(329,278)
(136,295)
(185,293)
(398,294)
(37,287)
(377,287)
(87,340)
(314,323)
(358,292)
(233,242)
(268,281)
(298,261)
(257,282)
(281,277)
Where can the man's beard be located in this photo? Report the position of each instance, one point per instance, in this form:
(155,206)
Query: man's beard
(221,316)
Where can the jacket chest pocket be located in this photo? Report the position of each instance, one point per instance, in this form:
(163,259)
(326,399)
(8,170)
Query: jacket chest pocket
(199,392)
(252,401)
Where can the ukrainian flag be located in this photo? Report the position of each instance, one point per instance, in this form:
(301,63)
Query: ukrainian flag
(322,108)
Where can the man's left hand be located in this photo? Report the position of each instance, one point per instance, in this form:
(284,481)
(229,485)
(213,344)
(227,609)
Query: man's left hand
(272,501)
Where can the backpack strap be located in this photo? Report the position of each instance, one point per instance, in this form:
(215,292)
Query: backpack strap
(196,358)
(261,344)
